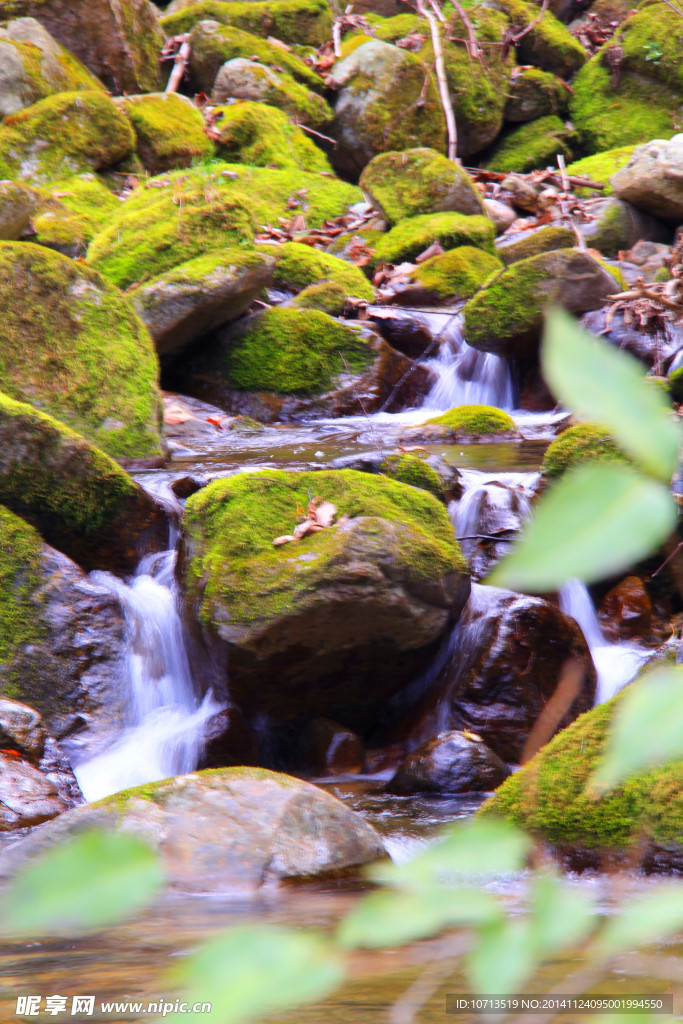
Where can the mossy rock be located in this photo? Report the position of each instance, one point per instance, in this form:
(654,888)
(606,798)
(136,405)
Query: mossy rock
(347,613)
(212,44)
(169,130)
(20,623)
(599,168)
(414,471)
(326,296)
(549,45)
(651,41)
(642,818)
(535,93)
(377,110)
(415,234)
(391,29)
(188,213)
(545,239)
(607,115)
(533,145)
(295,22)
(506,316)
(70,213)
(244,79)
(17,204)
(80,500)
(75,348)
(33,65)
(298,266)
(449,277)
(418,181)
(64,135)
(474,421)
(584,442)
(263,136)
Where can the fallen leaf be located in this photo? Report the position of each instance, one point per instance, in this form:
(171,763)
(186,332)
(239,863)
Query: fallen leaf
(285,539)
(325,513)
(303,529)
(176,414)
(214,422)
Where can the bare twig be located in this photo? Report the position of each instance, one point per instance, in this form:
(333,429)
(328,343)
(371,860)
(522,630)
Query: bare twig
(336,37)
(473,47)
(520,35)
(440,71)
(566,187)
(180,63)
(312,131)
(667,560)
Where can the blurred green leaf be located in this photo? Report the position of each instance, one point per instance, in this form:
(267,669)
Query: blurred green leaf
(646,729)
(486,846)
(562,914)
(503,958)
(600,382)
(645,919)
(595,521)
(394,918)
(83,884)
(248,971)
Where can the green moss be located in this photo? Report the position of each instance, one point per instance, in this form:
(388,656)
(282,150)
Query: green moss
(263,136)
(548,795)
(532,145)
(186,213)
(249,80)
(300,265)
(75,348)
(535,93)
(389,30)
(409,469)
(474,419)
(599,168)
(676,385)
(544,240)
(61,72)
(549,45)
(169,131)
(327,296)
(64,135)
(231,525)
(418,181)
(20,622)
(584,442)
(456,274)
(293,352)
(292,21)
(213,45)
(71,212)
(651,41)
(636,110)
(412,236)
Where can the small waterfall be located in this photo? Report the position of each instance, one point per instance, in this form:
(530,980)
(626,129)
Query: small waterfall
(491,505)
(616,664)
(164,732)
(467,376)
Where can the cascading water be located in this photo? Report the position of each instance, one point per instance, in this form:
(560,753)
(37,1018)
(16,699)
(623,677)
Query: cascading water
(163,735)
(467,376)
(616,664)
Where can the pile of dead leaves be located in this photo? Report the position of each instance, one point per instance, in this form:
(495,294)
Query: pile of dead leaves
(650,305)
(319,516)
(295,230)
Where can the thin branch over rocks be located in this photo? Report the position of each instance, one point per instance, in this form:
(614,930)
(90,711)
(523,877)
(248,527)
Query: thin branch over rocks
(440,71)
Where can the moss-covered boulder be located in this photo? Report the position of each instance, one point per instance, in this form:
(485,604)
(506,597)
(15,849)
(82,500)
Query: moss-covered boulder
(63,135)
(448,278)
(376,109)
(548,45)
(226,830)
(327,296)
(296,22)
(535,93)
(71,212)
(17,204)
(80,500)
(297,266)
(412,236)
(243,79)
(544,239)
(465,424)
(639,822)
(652,178)
(263,136)
(599,168)
(401,185)
(335,623)
(288,363)
(74,347)
(169,130)
(33,65)
(188,213)
(506,317)
(212,44)
(584,442)
(615,225)
(532,145)
(198,296)
(120,42)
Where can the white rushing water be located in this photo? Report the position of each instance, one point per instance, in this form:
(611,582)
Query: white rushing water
(616,664)
(467,376)
(163,734)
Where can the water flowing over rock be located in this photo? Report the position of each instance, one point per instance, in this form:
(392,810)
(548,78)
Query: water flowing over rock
(453,762)
(225,830)
(492,506)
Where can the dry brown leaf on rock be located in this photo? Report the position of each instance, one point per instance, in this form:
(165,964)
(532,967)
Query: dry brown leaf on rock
(319,516)
(176,414)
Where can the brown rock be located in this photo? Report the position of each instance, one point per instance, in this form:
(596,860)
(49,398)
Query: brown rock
(626,610)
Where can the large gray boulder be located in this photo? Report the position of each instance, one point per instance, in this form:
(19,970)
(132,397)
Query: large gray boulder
(653,178)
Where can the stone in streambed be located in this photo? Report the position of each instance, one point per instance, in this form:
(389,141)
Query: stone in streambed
(652,179)
(414,235)
(626,610)
(533,145)
(584,442)
(447,278)
(617,225)
(416,181)
(299,266)
(430,472)
(532,243)
(21,729)
(26,797)
(70,213)
(331,625)
(327,748)
(535,94)
(465,424)
(453,762)
(225,830)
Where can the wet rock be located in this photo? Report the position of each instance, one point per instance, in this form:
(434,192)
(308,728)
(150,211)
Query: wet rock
(506,318)
(430,472)
(465,424)
(335,623)
(486,512)
(376,112)
(405,330)
(198,296)
(418,181)
(453,762)
(225,830)
(626,610)
(653,178)
(617,225)
(327,748)
(241,79)
(655,350)
(33,65)
(229,741)
(26,796)
(120,42)
(532,243)
(445,279)
(21,729)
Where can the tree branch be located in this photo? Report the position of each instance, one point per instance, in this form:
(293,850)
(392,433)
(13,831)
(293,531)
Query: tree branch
(440,70)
